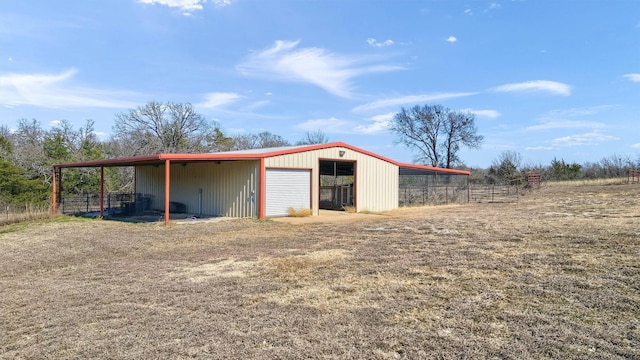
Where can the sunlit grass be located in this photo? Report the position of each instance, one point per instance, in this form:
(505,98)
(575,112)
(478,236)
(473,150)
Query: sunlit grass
(588,182)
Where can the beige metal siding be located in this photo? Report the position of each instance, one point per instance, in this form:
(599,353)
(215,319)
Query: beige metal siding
(376,180)
(228,188)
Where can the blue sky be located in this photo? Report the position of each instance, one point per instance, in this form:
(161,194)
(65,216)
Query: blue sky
(544,78)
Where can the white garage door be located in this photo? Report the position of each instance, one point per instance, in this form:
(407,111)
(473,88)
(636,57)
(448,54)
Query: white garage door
(287,188)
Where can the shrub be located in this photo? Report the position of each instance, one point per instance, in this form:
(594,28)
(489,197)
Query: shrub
(302,212)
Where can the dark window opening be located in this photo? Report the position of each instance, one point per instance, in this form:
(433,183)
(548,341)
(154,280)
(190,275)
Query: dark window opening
(337,184)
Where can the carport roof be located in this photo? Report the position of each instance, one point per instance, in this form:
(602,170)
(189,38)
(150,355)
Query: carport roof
(253,154)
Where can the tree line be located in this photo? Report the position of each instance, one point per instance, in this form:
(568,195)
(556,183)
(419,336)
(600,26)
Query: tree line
(28,153)
(509,167)
(435,133)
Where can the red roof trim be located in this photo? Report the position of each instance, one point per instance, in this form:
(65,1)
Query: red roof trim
(431,168)
(161,158)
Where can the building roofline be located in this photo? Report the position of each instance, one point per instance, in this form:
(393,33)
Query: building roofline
(239,155)
(432,168)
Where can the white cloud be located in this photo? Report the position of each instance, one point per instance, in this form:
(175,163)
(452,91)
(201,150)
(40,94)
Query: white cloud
(493,6)
(101,134)
(553,87)
(590,138)
(186,6)
(411,99)
(633,77)
(379,123)
(56,91)
(452,39)
(374,43)
(217,99)
(574,112)
(331,125)
(468,12)
(566,124)
(636,146)
(538,148)
(256,105)
(564,118)
(331,72)
(53,123)
(483,113)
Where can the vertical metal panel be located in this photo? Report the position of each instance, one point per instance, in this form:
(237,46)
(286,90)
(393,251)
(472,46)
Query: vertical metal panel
(376,180)
(227,188)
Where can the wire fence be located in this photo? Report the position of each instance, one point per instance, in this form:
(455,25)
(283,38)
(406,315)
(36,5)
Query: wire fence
(433,189)
(114,203)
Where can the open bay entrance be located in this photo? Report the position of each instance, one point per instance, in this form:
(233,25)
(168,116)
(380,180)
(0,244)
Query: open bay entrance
(337,184)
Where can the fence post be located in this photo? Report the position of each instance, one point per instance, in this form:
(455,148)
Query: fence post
(87,202)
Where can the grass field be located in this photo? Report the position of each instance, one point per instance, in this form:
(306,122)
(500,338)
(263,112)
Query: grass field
(556,275)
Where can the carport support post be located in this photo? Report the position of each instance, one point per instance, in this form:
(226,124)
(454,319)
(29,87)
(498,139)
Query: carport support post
(262,192)
(53,193)
(167,179)
(101,191)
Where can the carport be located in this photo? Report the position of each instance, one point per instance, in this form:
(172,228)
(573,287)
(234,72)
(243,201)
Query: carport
(264,182)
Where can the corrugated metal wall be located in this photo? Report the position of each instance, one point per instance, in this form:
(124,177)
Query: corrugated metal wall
(228,188)
(376,180)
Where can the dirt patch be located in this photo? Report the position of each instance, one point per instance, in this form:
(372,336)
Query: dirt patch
(552,276)
(326,216)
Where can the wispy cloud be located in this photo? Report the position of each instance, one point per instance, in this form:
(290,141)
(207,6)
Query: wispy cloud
(377,124)
(553,87)
(492,114)
(566,124)
(566,119)
(331,72)
(633,77)
(468,12)
(636,146)
(57,91)
(186,6)
(493,6)
(374,43)
(539,148)
(590,138)
(330,125)
(217,99)
(452,39)
(411,99)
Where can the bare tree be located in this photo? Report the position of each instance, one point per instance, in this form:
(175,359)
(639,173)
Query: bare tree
(314,137)
(436,133)
(419,128)
(459,130)
(167,128)
(29,153)
(261,140)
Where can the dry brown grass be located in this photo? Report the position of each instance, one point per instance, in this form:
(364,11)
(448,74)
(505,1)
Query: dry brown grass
(8,218)
(588,182)
(553,276)
(349,209)
(299,212)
